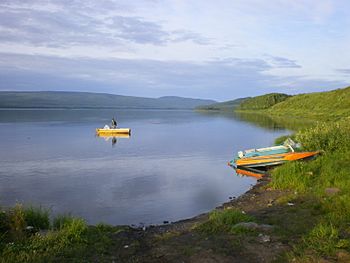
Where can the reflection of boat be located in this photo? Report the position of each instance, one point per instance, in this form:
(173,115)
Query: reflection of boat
(272,160)
(112,132)
(258,174)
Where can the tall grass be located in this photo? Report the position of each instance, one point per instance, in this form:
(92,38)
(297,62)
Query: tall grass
(314,179)
(37,217)
(327,136)
(18,243)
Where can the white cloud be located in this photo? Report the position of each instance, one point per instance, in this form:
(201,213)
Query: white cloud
(222,42)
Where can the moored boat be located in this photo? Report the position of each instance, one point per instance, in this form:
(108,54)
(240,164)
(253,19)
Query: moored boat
(272,160)
(287,146)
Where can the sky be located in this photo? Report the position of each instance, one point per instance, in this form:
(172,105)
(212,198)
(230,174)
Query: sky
(222,49)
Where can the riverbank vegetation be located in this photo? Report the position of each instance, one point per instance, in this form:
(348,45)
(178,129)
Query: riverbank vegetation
(324,186)
(323,106)
(28,235)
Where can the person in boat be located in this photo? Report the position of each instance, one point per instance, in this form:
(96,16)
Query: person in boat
(114,123)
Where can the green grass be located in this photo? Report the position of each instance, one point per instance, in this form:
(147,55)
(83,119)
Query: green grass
(224,221)
(65,238)
(331,105)
(37,217)
(312,180)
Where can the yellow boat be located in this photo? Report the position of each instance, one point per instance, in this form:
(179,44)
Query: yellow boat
(111,132)
(119,135)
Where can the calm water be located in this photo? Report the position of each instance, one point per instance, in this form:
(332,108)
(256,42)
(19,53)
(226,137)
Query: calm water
(174,165)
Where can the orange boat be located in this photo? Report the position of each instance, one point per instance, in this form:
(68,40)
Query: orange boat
(274,159)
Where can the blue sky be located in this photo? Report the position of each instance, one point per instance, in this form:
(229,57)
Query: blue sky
(202,48)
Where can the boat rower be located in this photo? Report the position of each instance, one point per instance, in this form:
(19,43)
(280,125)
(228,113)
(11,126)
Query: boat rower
(114,123)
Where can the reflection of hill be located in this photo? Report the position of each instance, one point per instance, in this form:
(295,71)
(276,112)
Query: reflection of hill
(273,122)
(263,120)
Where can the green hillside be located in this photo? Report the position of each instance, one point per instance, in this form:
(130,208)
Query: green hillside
(222,106)
(262,102)
(59,99)
(321,105)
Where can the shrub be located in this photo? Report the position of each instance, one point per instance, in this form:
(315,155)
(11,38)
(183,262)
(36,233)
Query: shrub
(37,217)
(17,223)
(60,221)
(326,136)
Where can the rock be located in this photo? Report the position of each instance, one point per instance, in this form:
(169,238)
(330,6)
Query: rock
(343,256)
(265,227)
(126,246)
(290,204)
(332,190)
(248,225)
(264,238)
(43,233)
(29,228)
(254,226)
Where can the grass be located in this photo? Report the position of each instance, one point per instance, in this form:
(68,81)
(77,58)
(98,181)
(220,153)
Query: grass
(262,102)
(224,221)
(326,106)
(313,181)
(64,239)
(37,217)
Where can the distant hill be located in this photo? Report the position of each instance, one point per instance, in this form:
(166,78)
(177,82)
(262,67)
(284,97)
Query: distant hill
(319,105)
(58,99)
(222,106)
(262,102)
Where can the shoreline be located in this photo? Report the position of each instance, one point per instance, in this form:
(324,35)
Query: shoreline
(159,243)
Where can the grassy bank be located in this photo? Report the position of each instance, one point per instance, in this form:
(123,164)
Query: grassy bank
(326,106)
(28,235)
(324,186)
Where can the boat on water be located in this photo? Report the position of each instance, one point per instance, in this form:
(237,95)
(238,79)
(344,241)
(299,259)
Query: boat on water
(272,159)
(107,131)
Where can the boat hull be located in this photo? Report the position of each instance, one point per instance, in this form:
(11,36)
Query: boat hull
(274,159)
(111,132)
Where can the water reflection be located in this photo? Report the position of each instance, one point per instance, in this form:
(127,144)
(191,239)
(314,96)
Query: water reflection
(114,138)
(273,122)
(262,120)
(174,167)
(250,172)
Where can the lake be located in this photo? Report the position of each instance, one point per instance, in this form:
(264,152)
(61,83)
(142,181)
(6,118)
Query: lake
(172,167)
